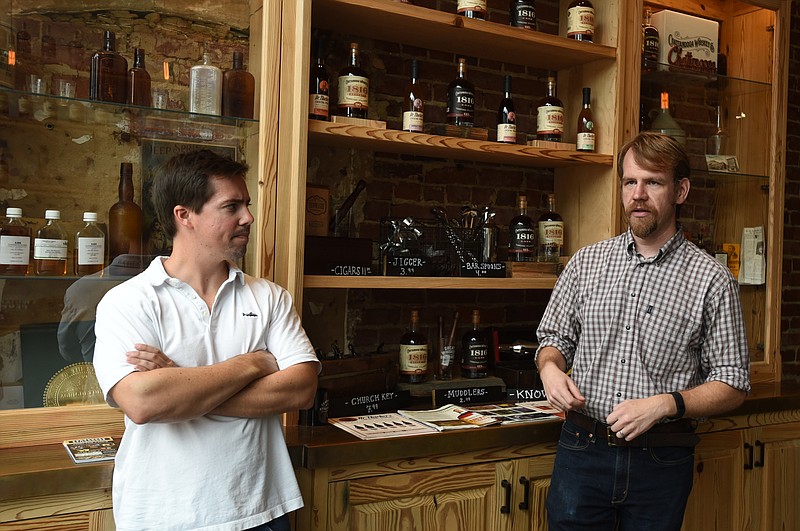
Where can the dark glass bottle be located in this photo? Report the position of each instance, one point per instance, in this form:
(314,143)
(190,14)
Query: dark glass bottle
(650,43)
(550,115)
(24,59)
(319,89)
(124,218)
(353,90)
(139,92)
(521,234)
(551,232)
(238,90)
(90,247)
(108,73)
(475,350)
(585,140)
(50,246)
(645,123)
(506,117)
(15,244)
(522,14)
(461,98)
(48,46)
(413,102)
(580,20)
(472,9)
(24,41)
(413,353)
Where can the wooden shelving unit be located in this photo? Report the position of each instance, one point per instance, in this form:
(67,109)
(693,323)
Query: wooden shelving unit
(376,282)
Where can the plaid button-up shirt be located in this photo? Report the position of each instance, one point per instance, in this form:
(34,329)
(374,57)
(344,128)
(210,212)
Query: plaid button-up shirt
(632,327)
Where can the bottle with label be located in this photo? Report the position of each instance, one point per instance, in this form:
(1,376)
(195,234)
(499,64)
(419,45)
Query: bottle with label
(666,124)
(472,9)
(413,353)
(550,114)
(50,247)
(522,14)
(205,88)
(585,139)
(139,92)
(90,247)
(15,244)
(108,75)
(319,89)
(551,232)
(353,89)
(461,98)
(521,234)
(475,350)
(650,43)
(124,218)
(238,90)
(580,20)
(506,117)
(413,102)
(717,144)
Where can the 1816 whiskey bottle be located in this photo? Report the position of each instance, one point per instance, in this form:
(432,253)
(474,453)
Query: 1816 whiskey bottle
(522,14)
(413,353)
(475,350)
(108,73)
(472,8)
(353,87)
(550,114)
(521,234)
(580,20)
(551,232)
(461,98)
(650,43)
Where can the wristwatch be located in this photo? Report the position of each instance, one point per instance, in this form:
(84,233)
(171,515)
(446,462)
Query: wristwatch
(679,404)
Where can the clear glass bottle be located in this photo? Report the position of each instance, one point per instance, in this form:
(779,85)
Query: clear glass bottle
(664,122)
(551,233)
(413,102)
(472,9)
(353,89)
(475,350)
(550,114)
(717,144)
(319,89)
(506,117)
(522,14)
(461,98)
(124,218)
(15,244)
(585,140)
(205,88)
(108,73)
(90,247)
(139,92)
(413,352)
(521,234)
(650,43)
(238,90)
(50,246)
(580,21)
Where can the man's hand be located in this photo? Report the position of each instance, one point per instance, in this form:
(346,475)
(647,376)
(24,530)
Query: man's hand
(148,358)
(631,418)
(561,391)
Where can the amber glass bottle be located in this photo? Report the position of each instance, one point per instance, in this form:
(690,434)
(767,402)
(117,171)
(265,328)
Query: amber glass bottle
(125,218)
(139,81)
(90,247)
(15,244)
(580,20)
(353,87)
(413,353)
(50,246)
(550,115)
(108,73)
(551,232)
(472,9)
(238,90)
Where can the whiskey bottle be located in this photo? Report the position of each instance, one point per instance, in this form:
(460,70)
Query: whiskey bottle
(353,89)
(90,247)
(461,98)
(238,90)
(125,218)
(413,353)
(522,14)
(319,89)
(15,244)
(521,234)
(506,117)
(472,9)
(664,122)
(108,73)
(550,114)
(650,43)
(413,102)
(585,140)
(580,20)
(475,350)
(551,232)
(139,81)
(205,88)
(50,247)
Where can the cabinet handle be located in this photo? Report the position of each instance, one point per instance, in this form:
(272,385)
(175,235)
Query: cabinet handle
(506,508)
(749,449)
(524,504)
(760,463)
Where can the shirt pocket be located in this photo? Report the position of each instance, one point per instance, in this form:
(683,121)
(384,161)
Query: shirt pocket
(670,341)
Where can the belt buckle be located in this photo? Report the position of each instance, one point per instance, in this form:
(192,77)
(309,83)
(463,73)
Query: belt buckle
(611,437)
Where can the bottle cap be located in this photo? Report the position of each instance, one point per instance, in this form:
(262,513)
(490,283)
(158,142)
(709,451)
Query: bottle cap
(52,214)
(90,216)
(12,212)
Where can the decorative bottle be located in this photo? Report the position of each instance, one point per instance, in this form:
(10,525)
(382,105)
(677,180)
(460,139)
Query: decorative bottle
(472,9)
(550,114)
(125,218)
(139,81)
(50,246)
(108,73)
(522,14)
(413,102)
(15,244)
(238,90)
(666,124)
(319,89)
(580,20)
(205,88)
(506,117)
(521,234)
(585,140)
(90,247)
(461,98)
(353,87)
(650,43)
(475,350)
(413,352)
(551,232)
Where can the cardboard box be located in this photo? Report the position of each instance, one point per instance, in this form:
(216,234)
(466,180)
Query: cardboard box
(318,210)
(687,42)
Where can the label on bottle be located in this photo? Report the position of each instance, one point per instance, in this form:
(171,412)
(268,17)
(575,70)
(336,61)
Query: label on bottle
(549,120)
(353,92)
(471,5)
(15,250)
(462,104)
(412,121)
(524,15)
(413,359)
(551,240)
(318,104)
(585,140)
(507,133)
(91,251)
(580,21)
(477,355)
(48,249)
(522,241)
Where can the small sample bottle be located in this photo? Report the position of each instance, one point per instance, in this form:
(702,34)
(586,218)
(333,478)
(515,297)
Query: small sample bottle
(506,117)
(124,218)
(551,232)
(475,350)
(50,247)
(238,90)
(15,244)
(521,234)
(585,140)
(108,73)
(461,98)
(319,89)
(413,353)
(90,247)
(580,21)
(139,92)
(205,88)
(550,114)
(353,90)
(413,102)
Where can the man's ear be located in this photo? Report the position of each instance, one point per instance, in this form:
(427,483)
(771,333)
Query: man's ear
(182,215)
(682,191)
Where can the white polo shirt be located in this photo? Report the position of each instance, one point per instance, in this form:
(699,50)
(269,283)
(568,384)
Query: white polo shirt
(213,472)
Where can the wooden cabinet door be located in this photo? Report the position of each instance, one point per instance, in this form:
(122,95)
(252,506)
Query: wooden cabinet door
(530,514)
(776,477)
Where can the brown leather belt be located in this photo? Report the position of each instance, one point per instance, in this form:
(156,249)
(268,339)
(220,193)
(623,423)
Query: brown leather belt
(676,433)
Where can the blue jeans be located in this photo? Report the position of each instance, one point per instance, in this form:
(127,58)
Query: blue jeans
(281,523)
(597,487)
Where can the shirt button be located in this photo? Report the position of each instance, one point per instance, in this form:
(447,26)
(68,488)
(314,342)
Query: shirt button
(633,294)
(619,395)
(627,327)
(622,361)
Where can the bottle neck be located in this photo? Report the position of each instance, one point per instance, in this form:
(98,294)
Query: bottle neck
(138,58)
(551,88)
(238,61)
(551,203)
(462,70)
(523,207)
(355,59)
(108,42)
(665,102)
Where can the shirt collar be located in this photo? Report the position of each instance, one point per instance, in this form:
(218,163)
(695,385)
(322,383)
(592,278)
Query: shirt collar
(667,249)
(157,275)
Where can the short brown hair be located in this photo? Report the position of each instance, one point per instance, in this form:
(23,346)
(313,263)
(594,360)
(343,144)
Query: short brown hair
(656,152)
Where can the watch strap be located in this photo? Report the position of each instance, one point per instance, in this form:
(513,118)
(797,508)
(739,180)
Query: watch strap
(679,403)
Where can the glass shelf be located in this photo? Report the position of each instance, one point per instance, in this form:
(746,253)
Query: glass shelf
(670,78)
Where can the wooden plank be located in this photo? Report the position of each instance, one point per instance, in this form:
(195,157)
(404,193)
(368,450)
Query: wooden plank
(376,282)
(73,511)
(53,425)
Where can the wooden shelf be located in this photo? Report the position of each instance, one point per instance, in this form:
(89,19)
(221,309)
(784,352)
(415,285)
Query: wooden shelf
(376,282)
(440,30)
(446,147)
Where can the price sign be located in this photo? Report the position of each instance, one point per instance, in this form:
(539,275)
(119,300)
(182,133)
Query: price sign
(368,404)
(408,266)
(525,395)
(468,395)
(484,269)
